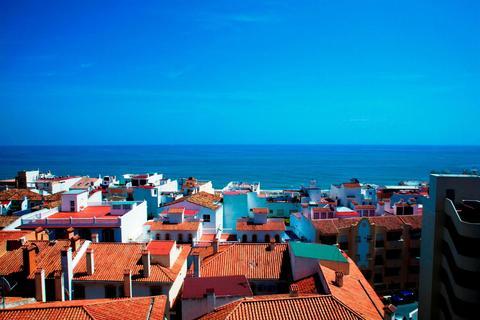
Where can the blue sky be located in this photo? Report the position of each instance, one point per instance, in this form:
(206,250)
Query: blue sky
(207,72)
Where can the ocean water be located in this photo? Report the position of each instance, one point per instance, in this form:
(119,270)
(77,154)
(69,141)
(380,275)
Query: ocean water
(274,166)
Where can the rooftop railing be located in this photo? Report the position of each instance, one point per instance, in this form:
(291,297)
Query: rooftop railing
(73,222)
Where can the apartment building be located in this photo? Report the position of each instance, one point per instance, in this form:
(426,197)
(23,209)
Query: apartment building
(450,286)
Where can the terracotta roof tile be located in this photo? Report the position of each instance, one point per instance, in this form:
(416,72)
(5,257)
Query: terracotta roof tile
(271,225)
(253,260)
(414,220)
(13,234)
(163,226)
(308,285)
(203,199)
(390,223)
(356,292)
(111,259)
(99,309)
(47,258)
(6,220)
(19,194)
(275,307)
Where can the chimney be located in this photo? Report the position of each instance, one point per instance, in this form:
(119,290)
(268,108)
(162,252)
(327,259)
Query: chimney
(127,283)
(90,262)
(29,258)
(70,233)
(389,312)
(59,287)
(211,298)
(293,290)
(67,269)
(146,263)
(40,285)
(95,237)
(271,245)
(339,279)
(215,245)
(196,264)
(38,233)
(75,243)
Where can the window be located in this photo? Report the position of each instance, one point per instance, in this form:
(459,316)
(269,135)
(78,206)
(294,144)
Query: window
(78,291)
(267,238)
(394,235)
(378,278)
(415,234)
(244,238)
(110,291)
(190,238)
(180,238)
(393,254)
(108,235)
(379,244)
(389,272)
(378,260)
(277,238)
(155,291)
(315,215)
(254,238)
(414,252)
(167,236)
(72,206)
(206,218)
(157,237)
(414,269)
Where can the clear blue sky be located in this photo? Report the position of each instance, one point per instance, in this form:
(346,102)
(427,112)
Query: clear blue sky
(197,72)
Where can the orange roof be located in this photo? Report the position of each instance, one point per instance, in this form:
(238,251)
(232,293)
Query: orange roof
(308,285)
(6,220)
(19,194)
(163,226)
(13,234)
(270,225)
(254,260)
(47,258)
(332,226)
(365,207)
(414,220)
(85,183)
(260,210)
(284,307)
(160,247)
(356,292)
(126,308)
(351,185)
(88,212)
(203,199)
(111,259)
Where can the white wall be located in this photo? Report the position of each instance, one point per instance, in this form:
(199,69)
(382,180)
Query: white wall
(133,221)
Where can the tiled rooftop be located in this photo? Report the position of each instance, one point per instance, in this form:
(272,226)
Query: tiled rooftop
(19,194)
(356,292)
(47,258)
(203,199)
(127,308)
(111,259)
(164,226)
(255,261)
(390,223)
(13,234)
(160,247)
(285,307)
(6,220)
(222,286)
(270,225)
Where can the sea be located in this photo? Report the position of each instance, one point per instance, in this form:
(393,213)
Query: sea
(274,166)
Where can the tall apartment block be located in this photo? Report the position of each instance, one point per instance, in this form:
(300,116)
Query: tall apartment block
(450,249)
